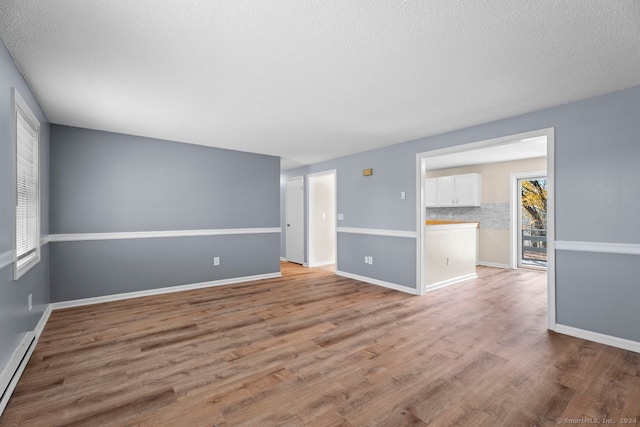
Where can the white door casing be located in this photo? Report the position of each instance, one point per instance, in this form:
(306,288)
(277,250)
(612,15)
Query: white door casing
(295,220)
(421,215)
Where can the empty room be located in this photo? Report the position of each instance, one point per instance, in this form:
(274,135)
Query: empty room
(319,213)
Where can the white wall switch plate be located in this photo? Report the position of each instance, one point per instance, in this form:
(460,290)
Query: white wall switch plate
(216,260)
(340,217)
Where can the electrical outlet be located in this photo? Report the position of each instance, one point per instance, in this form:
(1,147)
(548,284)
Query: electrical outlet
(366,259)
(448,260)
(30,302)
(403,195)
(216,260)
(371,260)
(340,217)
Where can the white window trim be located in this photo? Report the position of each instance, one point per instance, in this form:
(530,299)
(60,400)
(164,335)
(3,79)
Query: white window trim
(20,268)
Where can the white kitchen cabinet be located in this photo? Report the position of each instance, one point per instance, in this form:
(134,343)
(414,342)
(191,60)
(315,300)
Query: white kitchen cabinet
(468,189)
(454,191)
(430,193)
(446,191)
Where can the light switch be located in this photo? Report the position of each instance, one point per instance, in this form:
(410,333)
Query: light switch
(403,195)
(340,217)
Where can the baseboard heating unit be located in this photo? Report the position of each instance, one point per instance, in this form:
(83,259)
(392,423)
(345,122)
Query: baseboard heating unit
(11,373)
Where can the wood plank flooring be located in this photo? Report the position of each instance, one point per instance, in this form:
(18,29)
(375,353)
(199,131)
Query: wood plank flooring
(315,349)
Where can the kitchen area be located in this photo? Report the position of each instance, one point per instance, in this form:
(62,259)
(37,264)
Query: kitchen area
(452,244)
(468,212)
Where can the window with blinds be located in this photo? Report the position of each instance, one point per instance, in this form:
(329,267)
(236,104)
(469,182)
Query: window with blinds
(27,236)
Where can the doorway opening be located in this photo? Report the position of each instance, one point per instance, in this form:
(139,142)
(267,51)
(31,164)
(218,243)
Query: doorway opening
(322,239)
(515,145)
(530,222)
(295,220)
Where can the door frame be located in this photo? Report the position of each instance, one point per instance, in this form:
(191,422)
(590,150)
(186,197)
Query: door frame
(310,198)
(421,159)
(514,207)
(286,217)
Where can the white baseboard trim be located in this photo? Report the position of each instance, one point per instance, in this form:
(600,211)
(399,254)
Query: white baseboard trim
(159,291)
(378,232)
(450,282)
(601,247)
(42,322)
(493,264)
(382,283)
(283,259)
(599,338)
(78,237)
(18,362)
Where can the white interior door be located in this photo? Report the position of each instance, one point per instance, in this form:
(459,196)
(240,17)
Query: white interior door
(295,220)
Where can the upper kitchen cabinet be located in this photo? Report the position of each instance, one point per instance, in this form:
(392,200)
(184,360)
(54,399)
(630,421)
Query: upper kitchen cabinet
(445,191)
(468,189)
(430,192)
(454,191)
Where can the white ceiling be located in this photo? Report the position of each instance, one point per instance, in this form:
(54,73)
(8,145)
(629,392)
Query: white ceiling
(318,79)
(517,150)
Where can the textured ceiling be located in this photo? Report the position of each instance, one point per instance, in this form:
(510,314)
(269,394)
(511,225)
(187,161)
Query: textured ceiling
(314,80)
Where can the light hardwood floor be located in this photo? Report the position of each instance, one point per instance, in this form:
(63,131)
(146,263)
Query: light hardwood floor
(316,349)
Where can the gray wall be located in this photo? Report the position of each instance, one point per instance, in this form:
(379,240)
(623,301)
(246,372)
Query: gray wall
(612,289)
(15,319)
(108,182)
(597,198)
(104,267)
(402,254)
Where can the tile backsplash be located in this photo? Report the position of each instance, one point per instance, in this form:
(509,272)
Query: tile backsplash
(492,216)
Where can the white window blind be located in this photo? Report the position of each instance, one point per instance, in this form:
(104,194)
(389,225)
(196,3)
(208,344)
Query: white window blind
(27,189)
